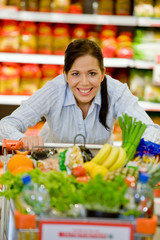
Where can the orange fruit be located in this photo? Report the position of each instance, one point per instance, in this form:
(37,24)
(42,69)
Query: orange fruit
(21,170)
(19,160)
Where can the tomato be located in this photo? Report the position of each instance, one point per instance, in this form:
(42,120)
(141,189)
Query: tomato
(79,171)
(83,179)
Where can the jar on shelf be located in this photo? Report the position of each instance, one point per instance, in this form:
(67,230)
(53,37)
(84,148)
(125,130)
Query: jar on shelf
(45,38)
(79,31)
(76,8)
(10,78)
(61,38)
(93,36)
(28,37)
(9,36)
(30,78)
(32,5)
(45,5)
(123,7)
(49,72)
(15,3)
(106,7)
(60,6)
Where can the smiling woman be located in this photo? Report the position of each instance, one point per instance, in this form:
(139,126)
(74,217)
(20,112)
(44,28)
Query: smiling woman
(84,79)
(81,101)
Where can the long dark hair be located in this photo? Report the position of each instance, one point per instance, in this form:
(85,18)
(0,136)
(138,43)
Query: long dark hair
(82,47)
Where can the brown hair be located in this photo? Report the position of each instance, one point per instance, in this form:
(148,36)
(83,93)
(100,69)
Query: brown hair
(82,47)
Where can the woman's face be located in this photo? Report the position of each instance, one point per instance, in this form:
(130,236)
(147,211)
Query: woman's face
(84,79)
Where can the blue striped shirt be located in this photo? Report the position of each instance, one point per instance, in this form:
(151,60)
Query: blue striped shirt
(55,101)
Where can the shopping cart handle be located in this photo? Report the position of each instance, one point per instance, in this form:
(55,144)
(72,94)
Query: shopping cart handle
(12,144)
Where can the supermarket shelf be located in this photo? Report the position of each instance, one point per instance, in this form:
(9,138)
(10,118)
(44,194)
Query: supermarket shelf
(12,100)
(148,22)
(59,60)
(150,106)
(32,58)
(143,64)
(67,18)
(119,62)
(79,18)
(17,99)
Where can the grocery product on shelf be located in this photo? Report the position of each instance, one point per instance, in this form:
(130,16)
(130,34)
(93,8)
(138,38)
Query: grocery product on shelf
(139,80)
(44,45)
(32,5)
(61,36)
(61,6)
(123,7)
(10,78)
(93,35)
(124,48)
(152,93)
(108,41)
(28,37)
(44,5)
(79,31)
(76,8)
(30,79)
(144,8)
(49,72)
(146,44)
(9,36)
(106,7)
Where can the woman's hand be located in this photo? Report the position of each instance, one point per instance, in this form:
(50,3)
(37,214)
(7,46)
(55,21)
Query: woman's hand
(30,141)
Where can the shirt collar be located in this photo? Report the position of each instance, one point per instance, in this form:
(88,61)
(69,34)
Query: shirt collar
(70,99)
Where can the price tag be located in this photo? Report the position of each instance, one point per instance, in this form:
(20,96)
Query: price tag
(85,230)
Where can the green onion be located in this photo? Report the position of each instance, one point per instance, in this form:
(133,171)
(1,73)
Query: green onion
(132,132)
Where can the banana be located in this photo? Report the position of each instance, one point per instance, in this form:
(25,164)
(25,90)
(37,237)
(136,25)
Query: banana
(99,169)
(113,156)
(102,154)
(89,166)
(120,160)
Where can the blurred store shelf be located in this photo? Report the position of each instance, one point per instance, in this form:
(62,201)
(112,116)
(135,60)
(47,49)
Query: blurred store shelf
(59,60)
(67,18)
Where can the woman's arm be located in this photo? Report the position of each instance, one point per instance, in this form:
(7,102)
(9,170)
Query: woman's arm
(27,115)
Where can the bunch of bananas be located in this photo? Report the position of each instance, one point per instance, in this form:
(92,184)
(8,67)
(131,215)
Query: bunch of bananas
(112,157)
(108,158)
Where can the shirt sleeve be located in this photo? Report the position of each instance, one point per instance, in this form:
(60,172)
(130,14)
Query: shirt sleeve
(126,102)
(28,114)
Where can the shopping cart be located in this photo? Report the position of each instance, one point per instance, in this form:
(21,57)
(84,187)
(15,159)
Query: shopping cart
(31,227)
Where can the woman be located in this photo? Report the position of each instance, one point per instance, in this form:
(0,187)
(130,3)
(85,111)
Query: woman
(83,100)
